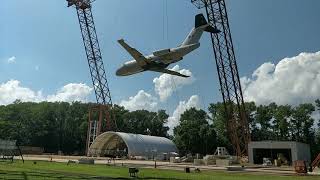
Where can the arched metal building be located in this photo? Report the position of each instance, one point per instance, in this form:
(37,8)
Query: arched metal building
(131,145)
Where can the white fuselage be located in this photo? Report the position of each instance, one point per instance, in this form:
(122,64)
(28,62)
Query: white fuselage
(159,60)
(172,55)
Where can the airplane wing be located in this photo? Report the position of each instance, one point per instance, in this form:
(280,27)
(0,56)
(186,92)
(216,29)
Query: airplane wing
(167,71)
(142,61)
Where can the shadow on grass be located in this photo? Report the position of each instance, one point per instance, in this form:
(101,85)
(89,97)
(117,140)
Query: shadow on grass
(29,175)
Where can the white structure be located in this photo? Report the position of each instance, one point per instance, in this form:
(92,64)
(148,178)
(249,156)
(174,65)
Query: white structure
(159,60)
(257,150)
(221,151)
(132,145)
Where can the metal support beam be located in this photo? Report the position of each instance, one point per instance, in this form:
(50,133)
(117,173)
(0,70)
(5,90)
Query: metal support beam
(236,118)
(95,123)
(95,62)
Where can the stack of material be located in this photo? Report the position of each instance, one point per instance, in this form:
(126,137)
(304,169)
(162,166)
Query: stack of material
(243,159)
(175,160)
(282,160)
(267,162)
(236,160)
(223,162)
(209,160)
(199,156)
(300,166)
(188,158)
(198,162)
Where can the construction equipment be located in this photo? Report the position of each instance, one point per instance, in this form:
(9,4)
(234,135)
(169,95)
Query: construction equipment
(98,74)
(300,167)
(236,118)
(267,162)
(316,162)
(281,160)
(237,125)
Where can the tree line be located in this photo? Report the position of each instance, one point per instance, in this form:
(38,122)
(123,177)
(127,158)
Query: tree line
(63,126)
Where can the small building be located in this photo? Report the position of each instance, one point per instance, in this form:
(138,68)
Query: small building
(132,145)
(290,150)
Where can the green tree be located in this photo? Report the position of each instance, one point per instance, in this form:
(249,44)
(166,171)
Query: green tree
(145,122)
(302,123)
(263,129)
(282,116)
(218,117)
(120,115)
(194,134)
(316,146)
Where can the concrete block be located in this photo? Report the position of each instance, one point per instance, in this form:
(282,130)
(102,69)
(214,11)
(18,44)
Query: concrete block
(175,160)
(223,162)
(209,160)
(198,162)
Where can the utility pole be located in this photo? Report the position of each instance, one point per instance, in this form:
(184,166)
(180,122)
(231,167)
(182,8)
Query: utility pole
(236,118)
(96,67)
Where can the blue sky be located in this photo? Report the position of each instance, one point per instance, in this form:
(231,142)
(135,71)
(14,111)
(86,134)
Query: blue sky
(44,37)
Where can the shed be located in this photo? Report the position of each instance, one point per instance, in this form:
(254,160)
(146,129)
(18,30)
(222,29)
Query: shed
(131,145)
(291,150)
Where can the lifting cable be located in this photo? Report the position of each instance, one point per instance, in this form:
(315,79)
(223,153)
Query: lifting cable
(166,39)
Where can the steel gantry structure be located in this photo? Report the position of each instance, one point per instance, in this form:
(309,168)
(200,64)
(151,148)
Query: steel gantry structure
(97,71)
(236,118)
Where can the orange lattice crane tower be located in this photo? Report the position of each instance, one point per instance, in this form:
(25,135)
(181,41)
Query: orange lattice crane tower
(97,71)
(236,118)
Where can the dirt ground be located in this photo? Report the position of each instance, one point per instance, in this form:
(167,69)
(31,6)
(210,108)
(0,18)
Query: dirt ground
(167,165)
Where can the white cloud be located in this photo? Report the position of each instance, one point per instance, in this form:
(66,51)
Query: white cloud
(142,100)
(71,92)
(12,60)
(166,84)
(293,81)
(173,121)
(12,90)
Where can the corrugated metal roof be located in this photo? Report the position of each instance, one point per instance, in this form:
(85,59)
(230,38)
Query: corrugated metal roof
(137,144)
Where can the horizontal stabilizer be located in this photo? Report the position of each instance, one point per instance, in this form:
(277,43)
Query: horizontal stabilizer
(167,71)
(141,60)
(212,29)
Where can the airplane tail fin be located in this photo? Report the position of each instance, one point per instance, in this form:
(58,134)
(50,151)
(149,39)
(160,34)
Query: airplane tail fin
(201,25)
(200,20)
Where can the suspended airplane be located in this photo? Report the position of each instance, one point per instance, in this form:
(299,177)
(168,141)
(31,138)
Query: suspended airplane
(158,61)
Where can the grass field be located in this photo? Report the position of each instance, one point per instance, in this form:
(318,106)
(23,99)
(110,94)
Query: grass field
(52,170)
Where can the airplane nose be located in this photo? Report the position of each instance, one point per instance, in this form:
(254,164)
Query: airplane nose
(120,71)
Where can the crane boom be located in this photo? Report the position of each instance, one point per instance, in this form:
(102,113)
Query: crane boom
(236,118)
(96,67)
